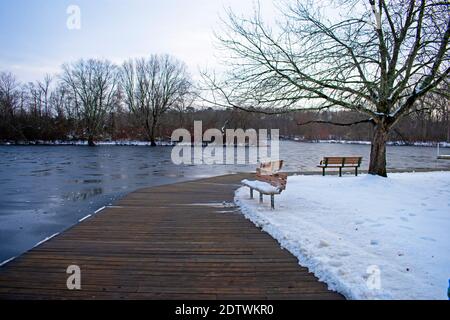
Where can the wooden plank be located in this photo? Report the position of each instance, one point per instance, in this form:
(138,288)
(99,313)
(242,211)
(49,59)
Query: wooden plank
(154,245)
(340,161)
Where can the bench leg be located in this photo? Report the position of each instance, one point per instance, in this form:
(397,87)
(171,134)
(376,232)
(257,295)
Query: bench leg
(340,172)
(356,171)
(260,197)
(251,193)
(323,172)
(272,201)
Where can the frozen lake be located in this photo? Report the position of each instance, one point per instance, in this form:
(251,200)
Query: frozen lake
(46,189)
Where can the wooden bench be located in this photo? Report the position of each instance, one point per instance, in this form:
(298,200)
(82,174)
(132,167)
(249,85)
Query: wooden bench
(340,162)
(269,181)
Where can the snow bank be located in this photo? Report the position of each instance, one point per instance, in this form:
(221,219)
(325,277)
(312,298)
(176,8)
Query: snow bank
(367,237)
(389,143)
(98,143)
(170,143)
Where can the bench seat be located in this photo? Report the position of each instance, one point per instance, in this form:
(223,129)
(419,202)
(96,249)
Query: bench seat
(261,186)
(340,163)
(269,181)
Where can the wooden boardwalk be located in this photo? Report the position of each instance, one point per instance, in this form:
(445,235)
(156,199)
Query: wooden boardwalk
(170,242)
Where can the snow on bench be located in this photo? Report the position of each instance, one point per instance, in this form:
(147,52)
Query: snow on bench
(269,181)
(262,186)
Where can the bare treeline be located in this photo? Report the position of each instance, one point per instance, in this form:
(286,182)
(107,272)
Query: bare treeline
(154,86)
(146,99)
(95,99)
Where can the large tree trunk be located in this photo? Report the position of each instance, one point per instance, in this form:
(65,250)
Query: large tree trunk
(91,142)
(151,128)
(152,134)
(377,164)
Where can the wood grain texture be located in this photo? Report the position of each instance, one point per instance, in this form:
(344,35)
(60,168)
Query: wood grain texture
(169,242)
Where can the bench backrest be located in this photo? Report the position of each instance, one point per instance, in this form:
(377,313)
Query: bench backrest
(341,161)
(270,167)
(269,172)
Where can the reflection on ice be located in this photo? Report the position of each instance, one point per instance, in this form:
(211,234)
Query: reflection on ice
(44,190)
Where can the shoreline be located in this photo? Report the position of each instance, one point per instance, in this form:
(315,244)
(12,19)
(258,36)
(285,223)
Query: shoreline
(185,259)
(112,204)
(128,199)
(389,143)
(137,143)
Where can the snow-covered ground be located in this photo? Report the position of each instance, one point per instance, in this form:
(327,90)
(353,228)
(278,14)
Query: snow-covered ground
(367,237)
(389,143)
(169,143)
(98,143)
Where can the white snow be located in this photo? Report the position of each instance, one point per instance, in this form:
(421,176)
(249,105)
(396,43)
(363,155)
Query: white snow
(85,218)
(389,143)
(100,209)
(4,263)
(171,144)
(367,237)
(98,143)
(260,185)
(46,239)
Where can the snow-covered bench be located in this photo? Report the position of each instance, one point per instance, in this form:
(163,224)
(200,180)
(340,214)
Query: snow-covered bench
(269,181)
(340,162)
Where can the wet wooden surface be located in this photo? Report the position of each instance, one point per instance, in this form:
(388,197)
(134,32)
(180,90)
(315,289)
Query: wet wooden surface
(180,241)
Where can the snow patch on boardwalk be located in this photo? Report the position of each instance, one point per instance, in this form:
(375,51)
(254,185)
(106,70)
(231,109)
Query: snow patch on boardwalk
(367,237)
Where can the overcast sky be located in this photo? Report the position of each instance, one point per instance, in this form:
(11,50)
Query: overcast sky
(35,39)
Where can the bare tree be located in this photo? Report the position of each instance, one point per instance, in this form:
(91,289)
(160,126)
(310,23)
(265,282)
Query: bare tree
(38,96)
(58,101)
(8,93)
(44,88)
(33,97)
(376,57)
(93,84)
(152,87)
(9,97)
(438,104)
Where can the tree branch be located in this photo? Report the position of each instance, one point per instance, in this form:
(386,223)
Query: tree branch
(349,124)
